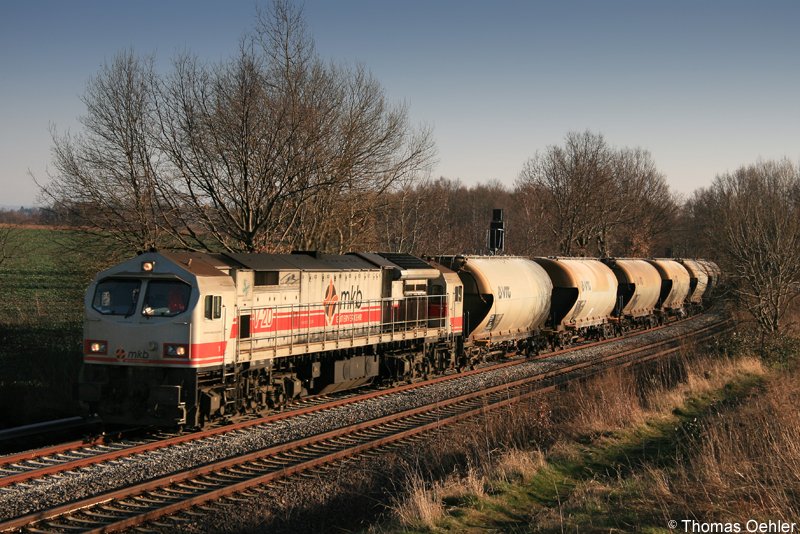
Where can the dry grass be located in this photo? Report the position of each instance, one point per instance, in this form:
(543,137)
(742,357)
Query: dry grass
(425,503)
(621,399)
(703,375)
(608,402)
(422,506)
(516,465)
(466,462)
(746,460)
(513,446)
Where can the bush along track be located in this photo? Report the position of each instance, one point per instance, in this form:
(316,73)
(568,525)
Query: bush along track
(603,471)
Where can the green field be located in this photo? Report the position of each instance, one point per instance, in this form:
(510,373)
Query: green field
(42,283)
(42,280)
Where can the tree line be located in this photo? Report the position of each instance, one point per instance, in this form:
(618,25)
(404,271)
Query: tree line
(275,149)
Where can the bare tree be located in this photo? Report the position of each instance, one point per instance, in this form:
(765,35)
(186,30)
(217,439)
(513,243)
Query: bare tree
(443,217)
(588,193)
(691,236)
(376,152)
(107,174)
(644,207)
(575,182)
(276,149)
(230,142)
(531,219)
(754,221)
(418,219)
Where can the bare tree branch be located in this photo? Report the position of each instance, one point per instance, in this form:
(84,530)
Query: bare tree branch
(753,219)
(107,174)
(588,193)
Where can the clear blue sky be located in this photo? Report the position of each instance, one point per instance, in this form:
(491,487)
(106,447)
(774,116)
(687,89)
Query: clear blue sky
(705,86)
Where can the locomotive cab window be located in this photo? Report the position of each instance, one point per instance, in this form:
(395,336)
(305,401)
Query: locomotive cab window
(116,296)
(166,298)
(213,307)
(415,288)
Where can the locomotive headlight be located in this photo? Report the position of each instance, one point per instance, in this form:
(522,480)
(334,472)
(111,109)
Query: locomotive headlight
(147,266)
(94,346)
(173,350)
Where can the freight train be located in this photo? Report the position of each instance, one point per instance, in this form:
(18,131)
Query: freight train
(184,338)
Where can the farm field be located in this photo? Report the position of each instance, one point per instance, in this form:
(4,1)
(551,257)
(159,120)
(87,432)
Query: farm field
(42,283)
(42,280)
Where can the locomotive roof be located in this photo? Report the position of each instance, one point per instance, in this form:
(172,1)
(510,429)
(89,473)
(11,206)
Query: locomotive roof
(198,263)
(394,260)
(300,261)
(404,261)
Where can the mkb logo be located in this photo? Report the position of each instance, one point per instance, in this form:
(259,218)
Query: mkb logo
(330,302)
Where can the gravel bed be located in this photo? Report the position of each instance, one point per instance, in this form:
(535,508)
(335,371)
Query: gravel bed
(37,495)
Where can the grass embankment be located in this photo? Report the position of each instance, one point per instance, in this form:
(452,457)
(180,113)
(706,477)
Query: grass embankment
(42,283)
(713,438)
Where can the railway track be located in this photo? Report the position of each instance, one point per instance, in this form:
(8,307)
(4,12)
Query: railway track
(167,495)
(39,463)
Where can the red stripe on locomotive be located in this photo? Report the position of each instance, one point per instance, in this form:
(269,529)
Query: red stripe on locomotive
(266,320)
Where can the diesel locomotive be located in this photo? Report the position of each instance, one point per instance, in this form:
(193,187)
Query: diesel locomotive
(183,338)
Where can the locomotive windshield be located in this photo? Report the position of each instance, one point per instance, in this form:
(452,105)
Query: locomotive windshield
(115,296)
(166,298)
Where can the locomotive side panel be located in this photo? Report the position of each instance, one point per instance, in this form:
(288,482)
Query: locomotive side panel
(345,302)
(304,304)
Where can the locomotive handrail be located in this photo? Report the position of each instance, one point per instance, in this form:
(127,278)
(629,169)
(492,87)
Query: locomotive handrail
(412,316)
